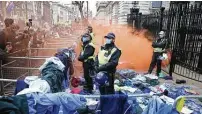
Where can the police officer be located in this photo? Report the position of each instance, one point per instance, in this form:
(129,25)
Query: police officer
(159,45)
(107,61)
(87,57)
(90,31)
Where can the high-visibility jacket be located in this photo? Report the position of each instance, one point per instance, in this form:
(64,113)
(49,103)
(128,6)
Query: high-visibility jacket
(90,57)
(93,41)
(159,50)
(93,36)
(103,58)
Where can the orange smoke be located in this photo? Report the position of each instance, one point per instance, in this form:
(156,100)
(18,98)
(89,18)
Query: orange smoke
(135,46)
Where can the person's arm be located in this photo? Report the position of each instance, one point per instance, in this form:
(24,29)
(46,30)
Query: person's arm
(112,63)
(71,67)
(159,44)
(89,51)
(96,63)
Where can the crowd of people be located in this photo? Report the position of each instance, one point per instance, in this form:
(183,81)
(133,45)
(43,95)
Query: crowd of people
(15,39)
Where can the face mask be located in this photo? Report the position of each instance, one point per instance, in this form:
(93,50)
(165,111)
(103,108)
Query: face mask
(108,41)
(85,39)
(161,35)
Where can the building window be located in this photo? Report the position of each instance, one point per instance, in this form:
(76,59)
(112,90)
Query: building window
(156,4)
(18,13)
(61,12)
(61,18)
(23,6)
(12,13)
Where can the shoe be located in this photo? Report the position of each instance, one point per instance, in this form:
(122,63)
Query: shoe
(180,81)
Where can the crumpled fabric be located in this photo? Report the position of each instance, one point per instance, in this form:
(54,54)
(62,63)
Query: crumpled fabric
(194,105)
(20,85)
(29,79)
(42,103)
(114,104)
(14,105)
(75,90)
(116,81)
(92,104)
(175,92)
(139,78)
(125,88)
(152,79)
(136,109)
(151,76)
(126,73)
(128,83)
(142,86)
(157,106)
(63,56)
(39,85)
(54,60)
(53,76)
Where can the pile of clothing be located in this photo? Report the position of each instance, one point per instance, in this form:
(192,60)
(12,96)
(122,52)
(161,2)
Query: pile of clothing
(51,79)
(134,83)
(53,75)
(68,103)
(152,79)
(52,72)
(132,77)
(126,73)
(39,103)
(175,91)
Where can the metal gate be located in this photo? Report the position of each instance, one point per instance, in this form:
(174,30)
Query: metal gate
(183,26)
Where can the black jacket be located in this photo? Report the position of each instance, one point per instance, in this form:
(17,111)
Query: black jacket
(161,43)
(110,67)
(89,51)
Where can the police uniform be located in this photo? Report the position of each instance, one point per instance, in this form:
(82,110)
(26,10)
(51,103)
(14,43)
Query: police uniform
(159,47)
(107,60)
(93,37)
(87,57)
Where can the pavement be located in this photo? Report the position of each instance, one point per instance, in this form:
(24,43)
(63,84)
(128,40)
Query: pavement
(196,85)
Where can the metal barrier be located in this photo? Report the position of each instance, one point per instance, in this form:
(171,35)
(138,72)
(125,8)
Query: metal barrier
(19,67)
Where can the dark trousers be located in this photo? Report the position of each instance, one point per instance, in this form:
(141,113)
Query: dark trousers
(172,63)
(109,89)
(155,61)
(87,66)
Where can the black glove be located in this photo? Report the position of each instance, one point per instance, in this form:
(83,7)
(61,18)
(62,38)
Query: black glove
(96,69)
(101,67)
(69,60)
(80,58)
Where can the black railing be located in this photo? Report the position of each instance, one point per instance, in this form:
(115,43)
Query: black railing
(183,26)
